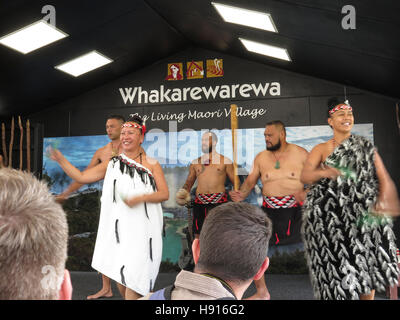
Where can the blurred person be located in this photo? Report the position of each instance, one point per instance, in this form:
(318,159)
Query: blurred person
(33,240)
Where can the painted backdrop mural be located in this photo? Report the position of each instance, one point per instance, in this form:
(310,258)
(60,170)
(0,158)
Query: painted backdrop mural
(174,151)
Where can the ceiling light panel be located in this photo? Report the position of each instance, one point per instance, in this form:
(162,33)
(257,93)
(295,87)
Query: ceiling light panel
(32,37)
(84,63)
(250,18)
(266,49)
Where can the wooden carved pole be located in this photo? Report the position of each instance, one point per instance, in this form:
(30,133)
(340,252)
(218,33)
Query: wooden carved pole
(234,127)
(28,146)
(21,137)
(10,153)
(3,143)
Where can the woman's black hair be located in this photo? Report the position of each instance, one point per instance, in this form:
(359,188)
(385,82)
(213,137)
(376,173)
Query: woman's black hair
(135,118)
(331,103)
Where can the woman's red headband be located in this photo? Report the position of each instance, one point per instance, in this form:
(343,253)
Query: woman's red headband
(135,125)
(340,106)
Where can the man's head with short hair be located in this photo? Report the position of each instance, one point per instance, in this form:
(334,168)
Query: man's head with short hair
(116,117)
(234,242)
(278,124)
(275,135)
(339,114)
(33,238)
(113,126)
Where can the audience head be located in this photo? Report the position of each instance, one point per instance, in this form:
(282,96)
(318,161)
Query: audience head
(33,238)
(233,243)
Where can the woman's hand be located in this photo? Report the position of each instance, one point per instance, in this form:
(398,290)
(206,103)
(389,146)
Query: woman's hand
(55,154)
(133,201)
(91,175)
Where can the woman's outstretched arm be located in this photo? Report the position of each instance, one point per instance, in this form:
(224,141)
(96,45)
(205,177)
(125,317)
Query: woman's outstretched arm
(88,176)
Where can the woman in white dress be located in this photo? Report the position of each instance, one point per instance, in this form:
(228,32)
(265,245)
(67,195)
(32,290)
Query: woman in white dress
(129,242)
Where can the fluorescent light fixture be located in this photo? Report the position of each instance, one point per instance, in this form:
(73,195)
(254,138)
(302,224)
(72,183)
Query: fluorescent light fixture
(250,18)
(266,49)
(84,63)
(32,37)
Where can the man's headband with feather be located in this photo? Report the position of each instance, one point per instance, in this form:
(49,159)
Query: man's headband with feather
(340,106)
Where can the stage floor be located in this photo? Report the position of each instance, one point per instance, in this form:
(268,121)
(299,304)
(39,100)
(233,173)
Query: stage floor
(281,287)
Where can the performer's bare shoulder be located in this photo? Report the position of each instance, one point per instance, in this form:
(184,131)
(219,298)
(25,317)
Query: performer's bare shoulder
(299,153)
(299,149)
(104,154)
(314,168)
(320,152)
(148,162)
(260,157)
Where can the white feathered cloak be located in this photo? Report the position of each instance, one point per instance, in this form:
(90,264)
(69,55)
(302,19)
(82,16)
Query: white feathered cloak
(129,240)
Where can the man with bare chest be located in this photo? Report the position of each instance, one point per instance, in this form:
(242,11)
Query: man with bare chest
(210,170)
(279,168)
(103,154)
